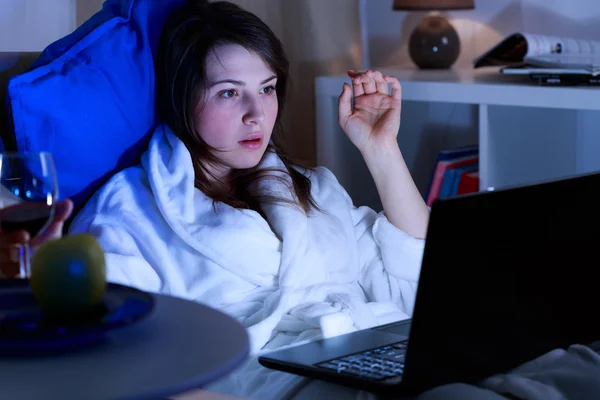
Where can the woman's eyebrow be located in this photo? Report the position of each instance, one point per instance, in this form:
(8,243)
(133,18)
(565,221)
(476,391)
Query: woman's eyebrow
(232,81)
(240,83)
(269,79)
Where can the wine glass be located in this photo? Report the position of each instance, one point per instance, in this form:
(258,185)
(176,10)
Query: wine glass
(28,192)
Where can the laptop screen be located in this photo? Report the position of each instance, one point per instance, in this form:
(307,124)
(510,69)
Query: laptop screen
(507,276)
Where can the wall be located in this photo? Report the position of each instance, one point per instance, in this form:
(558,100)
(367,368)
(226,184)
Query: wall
(316,44)
(387,31)
(30,25)
(87,8)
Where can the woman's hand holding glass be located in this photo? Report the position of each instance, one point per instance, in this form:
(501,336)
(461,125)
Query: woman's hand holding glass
(29,211)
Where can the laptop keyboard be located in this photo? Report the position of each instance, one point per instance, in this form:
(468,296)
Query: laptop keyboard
(378,364)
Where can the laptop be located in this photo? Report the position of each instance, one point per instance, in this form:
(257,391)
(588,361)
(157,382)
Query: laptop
(507,276)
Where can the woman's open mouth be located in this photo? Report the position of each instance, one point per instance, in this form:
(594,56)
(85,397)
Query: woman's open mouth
(252,142)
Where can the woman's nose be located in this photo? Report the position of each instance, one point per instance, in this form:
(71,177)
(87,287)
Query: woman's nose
(255,112)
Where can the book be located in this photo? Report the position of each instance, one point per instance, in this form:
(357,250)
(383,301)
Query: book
(469,182)
(452,178)
(557,77)
(543,51)
(459,176)
(565,79)
(451,154)
(440,171)
(526,69)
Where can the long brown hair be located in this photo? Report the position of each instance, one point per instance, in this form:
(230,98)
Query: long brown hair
(189,34)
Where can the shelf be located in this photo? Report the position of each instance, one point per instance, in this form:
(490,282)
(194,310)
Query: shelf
(482,86)
(526,133)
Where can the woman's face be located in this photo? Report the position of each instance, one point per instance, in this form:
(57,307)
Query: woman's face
(237,114)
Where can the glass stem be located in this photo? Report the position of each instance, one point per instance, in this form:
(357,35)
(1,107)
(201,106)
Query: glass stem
(24,261)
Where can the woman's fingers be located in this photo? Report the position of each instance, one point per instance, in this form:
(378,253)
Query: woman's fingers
(357,87)
(359,83)
(368,82)
(10,266)
(63,210)
(379,83)
(18,237)
(382,86)
(54,230)
(344,104)
(396,87)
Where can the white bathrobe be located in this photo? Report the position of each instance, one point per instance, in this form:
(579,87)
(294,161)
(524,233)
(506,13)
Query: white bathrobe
(294,278)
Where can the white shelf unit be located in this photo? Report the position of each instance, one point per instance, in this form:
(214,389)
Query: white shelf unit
(526,132)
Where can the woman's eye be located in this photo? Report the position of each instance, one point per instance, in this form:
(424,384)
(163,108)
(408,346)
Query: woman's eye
(269,90)
(228,93)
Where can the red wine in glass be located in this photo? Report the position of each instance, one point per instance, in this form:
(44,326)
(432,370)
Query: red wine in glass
(31,217)
(28,191)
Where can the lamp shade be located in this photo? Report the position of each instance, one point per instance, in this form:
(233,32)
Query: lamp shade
(434,5)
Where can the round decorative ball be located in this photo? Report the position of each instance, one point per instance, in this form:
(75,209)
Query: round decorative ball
(434,43)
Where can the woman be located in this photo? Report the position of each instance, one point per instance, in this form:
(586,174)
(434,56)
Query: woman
(217,213)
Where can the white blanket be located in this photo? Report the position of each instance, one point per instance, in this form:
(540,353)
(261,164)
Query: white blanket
(291,279)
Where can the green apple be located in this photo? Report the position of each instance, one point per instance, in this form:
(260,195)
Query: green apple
(68,275)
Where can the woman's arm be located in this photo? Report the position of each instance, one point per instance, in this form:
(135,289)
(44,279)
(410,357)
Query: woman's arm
(373,127)
(402,203)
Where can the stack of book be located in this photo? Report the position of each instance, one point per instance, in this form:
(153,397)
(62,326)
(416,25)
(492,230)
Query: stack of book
(456,172)
(546,59)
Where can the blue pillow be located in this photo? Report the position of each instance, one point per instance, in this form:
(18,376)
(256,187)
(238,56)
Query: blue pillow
(90,98)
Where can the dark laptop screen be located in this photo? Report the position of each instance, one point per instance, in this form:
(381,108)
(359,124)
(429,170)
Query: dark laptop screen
(507,276)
